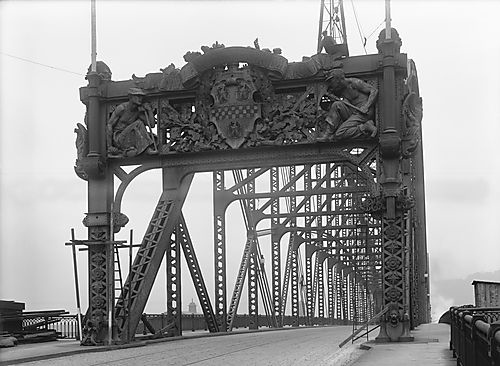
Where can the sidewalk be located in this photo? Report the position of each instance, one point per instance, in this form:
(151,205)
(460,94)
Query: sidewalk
(430,347)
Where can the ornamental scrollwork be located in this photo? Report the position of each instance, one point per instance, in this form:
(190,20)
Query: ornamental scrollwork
(82,149)
(404,202)
(119,221)
(412,113)
(376,205)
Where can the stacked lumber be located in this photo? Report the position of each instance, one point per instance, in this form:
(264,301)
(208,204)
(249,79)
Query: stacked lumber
(26,326)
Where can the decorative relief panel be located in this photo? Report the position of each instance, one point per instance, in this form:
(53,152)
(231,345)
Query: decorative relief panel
(236,106)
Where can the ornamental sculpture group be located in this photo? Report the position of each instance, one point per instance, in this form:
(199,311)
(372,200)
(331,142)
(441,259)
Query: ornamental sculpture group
(130,127)
(238,108)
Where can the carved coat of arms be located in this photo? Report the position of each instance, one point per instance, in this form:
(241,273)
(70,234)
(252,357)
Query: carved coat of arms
(234,111)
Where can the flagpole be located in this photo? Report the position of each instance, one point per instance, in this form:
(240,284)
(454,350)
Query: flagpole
(387,19)
(93,67)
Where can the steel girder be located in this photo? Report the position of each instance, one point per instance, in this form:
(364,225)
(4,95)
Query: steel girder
(196,275)
(252,261)
(318,186)
(342,203)
(220,253)
(275,249)
(157,239)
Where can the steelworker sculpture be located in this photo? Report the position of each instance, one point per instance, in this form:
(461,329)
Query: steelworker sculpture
(353,115)
(338,136)
(128,133)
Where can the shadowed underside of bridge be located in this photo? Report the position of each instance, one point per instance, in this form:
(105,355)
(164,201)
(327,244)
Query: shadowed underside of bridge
(324,158)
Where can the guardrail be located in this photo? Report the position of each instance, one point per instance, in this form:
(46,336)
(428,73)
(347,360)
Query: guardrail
(197,322)
(365,325)
(67,326)
(475,336)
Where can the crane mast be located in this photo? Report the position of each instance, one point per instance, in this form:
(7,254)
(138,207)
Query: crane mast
(331,24)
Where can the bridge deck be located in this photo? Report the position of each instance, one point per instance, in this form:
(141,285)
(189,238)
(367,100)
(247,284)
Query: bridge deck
(304,346)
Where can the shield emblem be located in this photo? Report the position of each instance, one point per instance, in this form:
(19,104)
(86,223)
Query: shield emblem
(234,112)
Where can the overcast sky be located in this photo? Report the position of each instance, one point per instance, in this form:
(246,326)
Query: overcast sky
(454,44)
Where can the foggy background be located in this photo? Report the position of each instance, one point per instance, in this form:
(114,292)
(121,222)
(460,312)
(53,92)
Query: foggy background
(453,43)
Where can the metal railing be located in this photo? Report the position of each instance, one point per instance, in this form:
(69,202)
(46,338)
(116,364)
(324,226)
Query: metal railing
(365,326)
(67,326)
(195,322)
(475,336)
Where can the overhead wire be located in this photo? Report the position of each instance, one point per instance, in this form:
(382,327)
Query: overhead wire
(376,29)
(363,39)
(42,64)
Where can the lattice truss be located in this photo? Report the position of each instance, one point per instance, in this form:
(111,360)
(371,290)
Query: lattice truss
(311,253)
(310,250)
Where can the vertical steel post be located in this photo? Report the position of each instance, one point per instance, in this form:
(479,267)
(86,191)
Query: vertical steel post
(129,293)
(173,282)
(394,292)
(253,293)
(253,281)
(331,290)
(275,247)
(321,286)
(309,247)
(345,297)
(420,237)
(294,277)
(220,252)
(97,220)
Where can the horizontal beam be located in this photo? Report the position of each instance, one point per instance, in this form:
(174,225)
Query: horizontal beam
(254,157)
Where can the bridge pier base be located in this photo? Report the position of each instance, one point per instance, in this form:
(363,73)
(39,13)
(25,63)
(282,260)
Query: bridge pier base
(395,332)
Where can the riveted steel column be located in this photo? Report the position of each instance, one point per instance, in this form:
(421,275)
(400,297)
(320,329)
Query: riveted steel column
(351,283)
(320,256)
(393,325)
(309,311)
(100,198)
(294,277)
(344,295)
(331,290)
(173,274)
(420,238)
(220,252)
(275,247)
(338,291)
(253,281)
(321,286)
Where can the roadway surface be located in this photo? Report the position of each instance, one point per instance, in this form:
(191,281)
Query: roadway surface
(303,346)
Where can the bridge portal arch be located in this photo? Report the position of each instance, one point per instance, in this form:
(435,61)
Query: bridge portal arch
(338,141)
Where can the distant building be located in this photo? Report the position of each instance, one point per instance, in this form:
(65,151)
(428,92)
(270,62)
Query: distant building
(486,294)
(192,307)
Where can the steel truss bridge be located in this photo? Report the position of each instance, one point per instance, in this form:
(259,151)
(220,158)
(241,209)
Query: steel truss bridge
(345,217)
